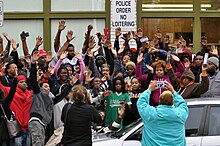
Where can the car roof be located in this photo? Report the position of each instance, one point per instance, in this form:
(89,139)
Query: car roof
(203,101)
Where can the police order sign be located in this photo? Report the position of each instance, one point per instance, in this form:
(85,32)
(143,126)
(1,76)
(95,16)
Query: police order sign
(123,13)
(1,13)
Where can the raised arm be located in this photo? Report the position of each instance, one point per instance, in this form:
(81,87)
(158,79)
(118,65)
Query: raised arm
(33,73)
(7,101)
(8,44)
(1,44)
(82,67)
(14,52)
(146,111)
(39,42)
(61,27)
(59,62)
(179,103)
(69,37)
(24,43)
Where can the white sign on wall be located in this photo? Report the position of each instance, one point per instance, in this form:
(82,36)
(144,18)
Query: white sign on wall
(1,13)
(123,15)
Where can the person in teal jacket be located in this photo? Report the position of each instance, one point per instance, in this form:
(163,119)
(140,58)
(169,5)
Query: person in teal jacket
(164,124)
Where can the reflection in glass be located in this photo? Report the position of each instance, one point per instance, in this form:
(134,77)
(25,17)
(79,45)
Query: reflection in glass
(212,5)
(167,5)
(173,27)
(77,5)
(210,28)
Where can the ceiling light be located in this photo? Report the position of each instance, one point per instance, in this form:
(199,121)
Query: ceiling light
(173,5)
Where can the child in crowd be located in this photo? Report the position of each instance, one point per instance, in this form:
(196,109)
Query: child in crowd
(130,69)
(115,100)
(132,114)
(159,75)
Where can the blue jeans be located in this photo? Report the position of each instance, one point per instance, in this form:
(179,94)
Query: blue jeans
(24,140)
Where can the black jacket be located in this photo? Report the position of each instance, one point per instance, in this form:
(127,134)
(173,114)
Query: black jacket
(77,128)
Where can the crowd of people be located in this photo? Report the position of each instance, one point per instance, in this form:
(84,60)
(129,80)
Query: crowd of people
(60,98)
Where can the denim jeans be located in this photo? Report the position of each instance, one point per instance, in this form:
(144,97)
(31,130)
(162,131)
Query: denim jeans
(24,140)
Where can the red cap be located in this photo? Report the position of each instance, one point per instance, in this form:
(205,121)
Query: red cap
(21,77)
(133,50)
(42,53)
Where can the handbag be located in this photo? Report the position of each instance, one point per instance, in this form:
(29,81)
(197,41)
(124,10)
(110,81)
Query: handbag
(13,127)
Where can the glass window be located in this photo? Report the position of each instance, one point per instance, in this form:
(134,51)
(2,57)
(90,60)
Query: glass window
(23,5)
(173,27)
(14,28)
(210,28)
(167,5)
(214,121)
(77,5)
(210,5)
(79,27)
(193,121)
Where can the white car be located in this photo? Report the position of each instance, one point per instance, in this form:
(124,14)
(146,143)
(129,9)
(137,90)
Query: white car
(202,127)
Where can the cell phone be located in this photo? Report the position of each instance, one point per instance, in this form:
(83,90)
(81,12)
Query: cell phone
(205,58)
(144,40)
(160,84)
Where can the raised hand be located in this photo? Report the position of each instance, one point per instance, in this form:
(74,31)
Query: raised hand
(214,50)
(63,55)
(175,58)
(107,93)
(91,42)
(69,36)
(74,79)
(118,32)
(121,111)
(121,50)
(35,56)
(61,25)
(169,87)
(150,68)
(96,48)
(140,58)
(49,56)
(39,41)
(114,51)
(90,53)
(51,69)
(78,56)
(107,43)
(87,75)
(28,59)
(6,36)
(168,58)
(90,27)
(14,45)
(153,85)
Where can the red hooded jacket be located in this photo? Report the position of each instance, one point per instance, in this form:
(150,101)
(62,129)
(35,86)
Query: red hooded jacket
(20,105)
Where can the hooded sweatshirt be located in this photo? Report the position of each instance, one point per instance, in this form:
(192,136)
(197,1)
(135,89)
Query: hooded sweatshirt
(192,89)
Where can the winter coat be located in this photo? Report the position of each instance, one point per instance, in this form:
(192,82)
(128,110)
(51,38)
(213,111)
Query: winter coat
(214,86)
(163,125)
(192,90)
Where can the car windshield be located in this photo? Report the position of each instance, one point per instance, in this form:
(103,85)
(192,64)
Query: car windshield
(126,129)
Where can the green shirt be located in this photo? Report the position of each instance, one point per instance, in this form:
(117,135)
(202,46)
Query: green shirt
(113,104)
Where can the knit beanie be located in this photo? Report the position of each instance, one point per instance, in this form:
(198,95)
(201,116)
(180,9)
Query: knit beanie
(214,60)
(130,63)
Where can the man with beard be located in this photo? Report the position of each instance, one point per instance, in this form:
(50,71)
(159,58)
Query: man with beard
(196,68)
(214,78)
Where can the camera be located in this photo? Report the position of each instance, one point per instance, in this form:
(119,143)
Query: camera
(24,34)
(160,84)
